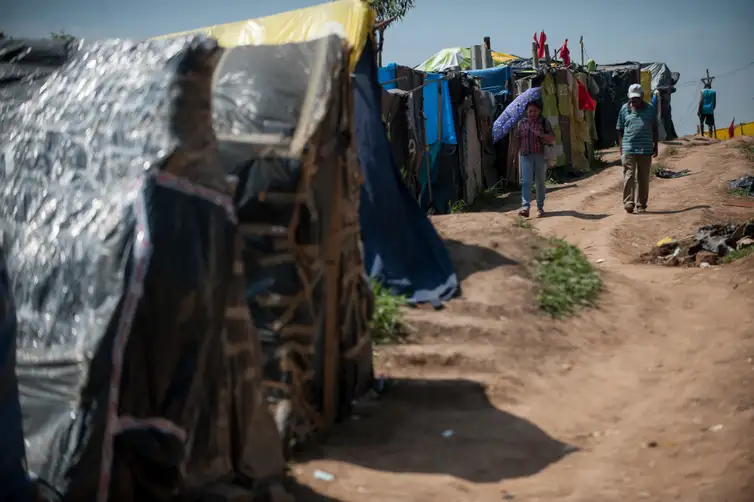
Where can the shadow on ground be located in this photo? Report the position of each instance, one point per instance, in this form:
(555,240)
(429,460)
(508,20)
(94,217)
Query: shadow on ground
(576,214)
(677,211)
(303,493)
(509,200)
(442,427)
(468,259)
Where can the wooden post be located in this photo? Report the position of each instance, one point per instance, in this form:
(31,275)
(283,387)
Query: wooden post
(477,61)
(332,356)
(581,43)
(487,43)
(534,58)
(548,60)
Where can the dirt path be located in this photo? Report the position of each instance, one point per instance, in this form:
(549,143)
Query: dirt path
(649,397)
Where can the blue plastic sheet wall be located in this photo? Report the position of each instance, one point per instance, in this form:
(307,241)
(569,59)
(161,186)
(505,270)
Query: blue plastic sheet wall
(386,76)
(431,107)
(494,80)
(401,247)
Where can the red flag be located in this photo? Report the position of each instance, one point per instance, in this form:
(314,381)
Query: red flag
(565,54)
(541,44)
(585,100)
(732,128)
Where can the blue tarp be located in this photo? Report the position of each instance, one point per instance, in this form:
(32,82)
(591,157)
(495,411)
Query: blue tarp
(494,80)
(431,111)
(14,482)
(401,246)
(386,76)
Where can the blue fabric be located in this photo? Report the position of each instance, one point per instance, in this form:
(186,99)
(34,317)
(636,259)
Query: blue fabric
(386,74)
(431,111)
(493,80)
(513,113)
(402,249)
(708,101)
(533,166)
(15,485)
(443,187)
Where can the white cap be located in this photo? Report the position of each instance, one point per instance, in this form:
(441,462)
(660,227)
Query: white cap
(635,91)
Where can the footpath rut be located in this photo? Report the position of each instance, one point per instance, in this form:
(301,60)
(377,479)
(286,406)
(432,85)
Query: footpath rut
(648,397)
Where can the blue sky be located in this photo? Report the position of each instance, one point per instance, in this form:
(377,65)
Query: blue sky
(688,35)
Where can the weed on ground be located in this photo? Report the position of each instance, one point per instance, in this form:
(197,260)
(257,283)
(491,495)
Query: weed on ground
(738,254)
(568,281)
(387,324)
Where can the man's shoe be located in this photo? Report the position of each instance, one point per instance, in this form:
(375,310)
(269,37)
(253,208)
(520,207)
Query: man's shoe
(629,208)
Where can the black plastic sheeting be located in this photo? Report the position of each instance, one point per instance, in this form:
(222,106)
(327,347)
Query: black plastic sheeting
(745,183)
(118,230)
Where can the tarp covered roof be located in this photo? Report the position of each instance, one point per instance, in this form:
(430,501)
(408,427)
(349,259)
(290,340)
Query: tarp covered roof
(459,58)
(350,19)
(661,74)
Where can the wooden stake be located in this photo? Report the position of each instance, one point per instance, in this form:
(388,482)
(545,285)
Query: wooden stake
(534,58)
(581,43)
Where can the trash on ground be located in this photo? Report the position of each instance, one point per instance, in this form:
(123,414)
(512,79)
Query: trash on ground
(323,476)
(745,183)
(448,434)
(707,247)
(668,174)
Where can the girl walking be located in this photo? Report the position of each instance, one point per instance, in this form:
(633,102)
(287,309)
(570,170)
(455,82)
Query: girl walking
(533,133)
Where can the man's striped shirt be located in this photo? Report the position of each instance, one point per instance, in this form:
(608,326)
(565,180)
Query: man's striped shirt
(637,125)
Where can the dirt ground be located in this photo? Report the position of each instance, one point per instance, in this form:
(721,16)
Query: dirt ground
(648,397)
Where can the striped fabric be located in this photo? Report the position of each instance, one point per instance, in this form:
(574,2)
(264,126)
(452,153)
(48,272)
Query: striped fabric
(529,143)
(636,125)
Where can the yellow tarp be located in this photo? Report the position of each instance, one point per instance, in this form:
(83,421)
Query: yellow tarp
(746,129)
(351,19)
(501,58)
(646,85)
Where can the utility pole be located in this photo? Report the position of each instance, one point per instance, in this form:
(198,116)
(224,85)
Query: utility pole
(707,79)
(581,43)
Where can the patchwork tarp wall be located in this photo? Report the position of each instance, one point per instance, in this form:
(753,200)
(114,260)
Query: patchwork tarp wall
(138,366)
(410,257)
(284,133)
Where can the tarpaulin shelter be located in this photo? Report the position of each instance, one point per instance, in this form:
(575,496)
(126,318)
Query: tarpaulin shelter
(138,365)
(614,80)
(401,247)
(459,58)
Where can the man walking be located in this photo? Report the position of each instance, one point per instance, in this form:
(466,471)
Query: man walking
(706,110)
(637,137)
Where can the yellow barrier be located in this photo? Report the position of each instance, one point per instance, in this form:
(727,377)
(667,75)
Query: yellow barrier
(746,129)
(351,19)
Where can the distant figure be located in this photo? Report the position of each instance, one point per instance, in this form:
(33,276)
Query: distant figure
(637,137)
(706,112)
(533,132)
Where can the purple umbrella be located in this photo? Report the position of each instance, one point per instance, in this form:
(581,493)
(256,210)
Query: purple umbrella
(513,113)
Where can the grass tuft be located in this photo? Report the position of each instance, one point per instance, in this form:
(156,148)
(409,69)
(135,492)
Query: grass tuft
(387,323)
(568,281)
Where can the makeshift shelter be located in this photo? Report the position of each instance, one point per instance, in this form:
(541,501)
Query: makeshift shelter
(401,247)
(459,58)
(138,365)
(613,81)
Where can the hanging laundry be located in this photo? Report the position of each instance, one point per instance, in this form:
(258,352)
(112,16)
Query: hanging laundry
(732,128)
(591,65)
(565,54)
(541,45)
(585,100)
